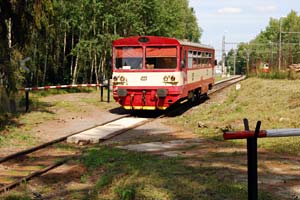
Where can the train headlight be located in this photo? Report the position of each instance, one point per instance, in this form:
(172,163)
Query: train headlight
(122,78)
(173,78)
(115,78)
(166,78)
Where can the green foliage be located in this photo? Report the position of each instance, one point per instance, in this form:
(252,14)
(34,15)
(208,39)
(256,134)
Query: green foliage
(16,197)
(70,41)
(103,181)
(93,161)
(83,178)
(264,48)
(130,175)
(126,193)
(274,75)
(44,93)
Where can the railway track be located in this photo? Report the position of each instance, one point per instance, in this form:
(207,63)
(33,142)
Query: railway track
(20,167)
(23,166)
(226,83)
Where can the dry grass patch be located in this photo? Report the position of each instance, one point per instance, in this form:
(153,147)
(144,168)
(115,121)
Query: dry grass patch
(275,102)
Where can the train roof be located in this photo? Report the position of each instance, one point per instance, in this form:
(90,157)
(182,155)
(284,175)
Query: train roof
(193,44)
(157,40)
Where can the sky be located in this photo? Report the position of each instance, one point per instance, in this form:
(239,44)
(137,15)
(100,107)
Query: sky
(237,20)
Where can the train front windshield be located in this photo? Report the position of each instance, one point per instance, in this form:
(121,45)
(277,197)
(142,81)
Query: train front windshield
(129,57)
(155,58)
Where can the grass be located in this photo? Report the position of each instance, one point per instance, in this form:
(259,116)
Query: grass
(17,197)
(130,175)
(65,146)
(275,102)
(15,129)
(16,138)
(92,97)
(50,92)
(120,174)
(278,75)
(96,101)
(24,195)
(220,78)
(273,75)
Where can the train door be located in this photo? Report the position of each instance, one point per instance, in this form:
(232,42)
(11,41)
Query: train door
(183,63)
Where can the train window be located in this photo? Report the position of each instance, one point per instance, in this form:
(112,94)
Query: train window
(183,58)
(204,62)
(190,59)
(199,59)
(161,57)
(128,57)
(195,60)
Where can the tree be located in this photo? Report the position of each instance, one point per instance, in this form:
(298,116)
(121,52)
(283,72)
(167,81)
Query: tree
(264,48)
(70,41)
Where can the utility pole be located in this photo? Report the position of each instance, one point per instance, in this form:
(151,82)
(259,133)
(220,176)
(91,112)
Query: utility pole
(9,33)
(223,55)
(287,32)
(234,62)
(271,59)
(279,53)
(248,60)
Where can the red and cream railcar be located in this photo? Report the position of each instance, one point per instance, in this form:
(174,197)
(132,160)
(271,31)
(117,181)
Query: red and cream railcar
(151,72)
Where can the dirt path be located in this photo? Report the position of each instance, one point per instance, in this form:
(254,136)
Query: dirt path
(78,114)
(67,121)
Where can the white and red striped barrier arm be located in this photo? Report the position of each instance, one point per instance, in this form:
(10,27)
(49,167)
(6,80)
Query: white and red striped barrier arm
(263,133)
(62,86)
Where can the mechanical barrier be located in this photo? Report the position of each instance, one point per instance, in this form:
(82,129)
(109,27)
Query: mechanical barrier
(251,137)
(102,85)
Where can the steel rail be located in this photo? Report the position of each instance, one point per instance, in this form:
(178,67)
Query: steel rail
(57,164)
(225,82)
(36,148)
(32,175)
(230,79)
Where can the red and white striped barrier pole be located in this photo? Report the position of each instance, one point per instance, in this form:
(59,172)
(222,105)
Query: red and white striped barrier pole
(27,89)
(263,133)
(251,137)
(61,86)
